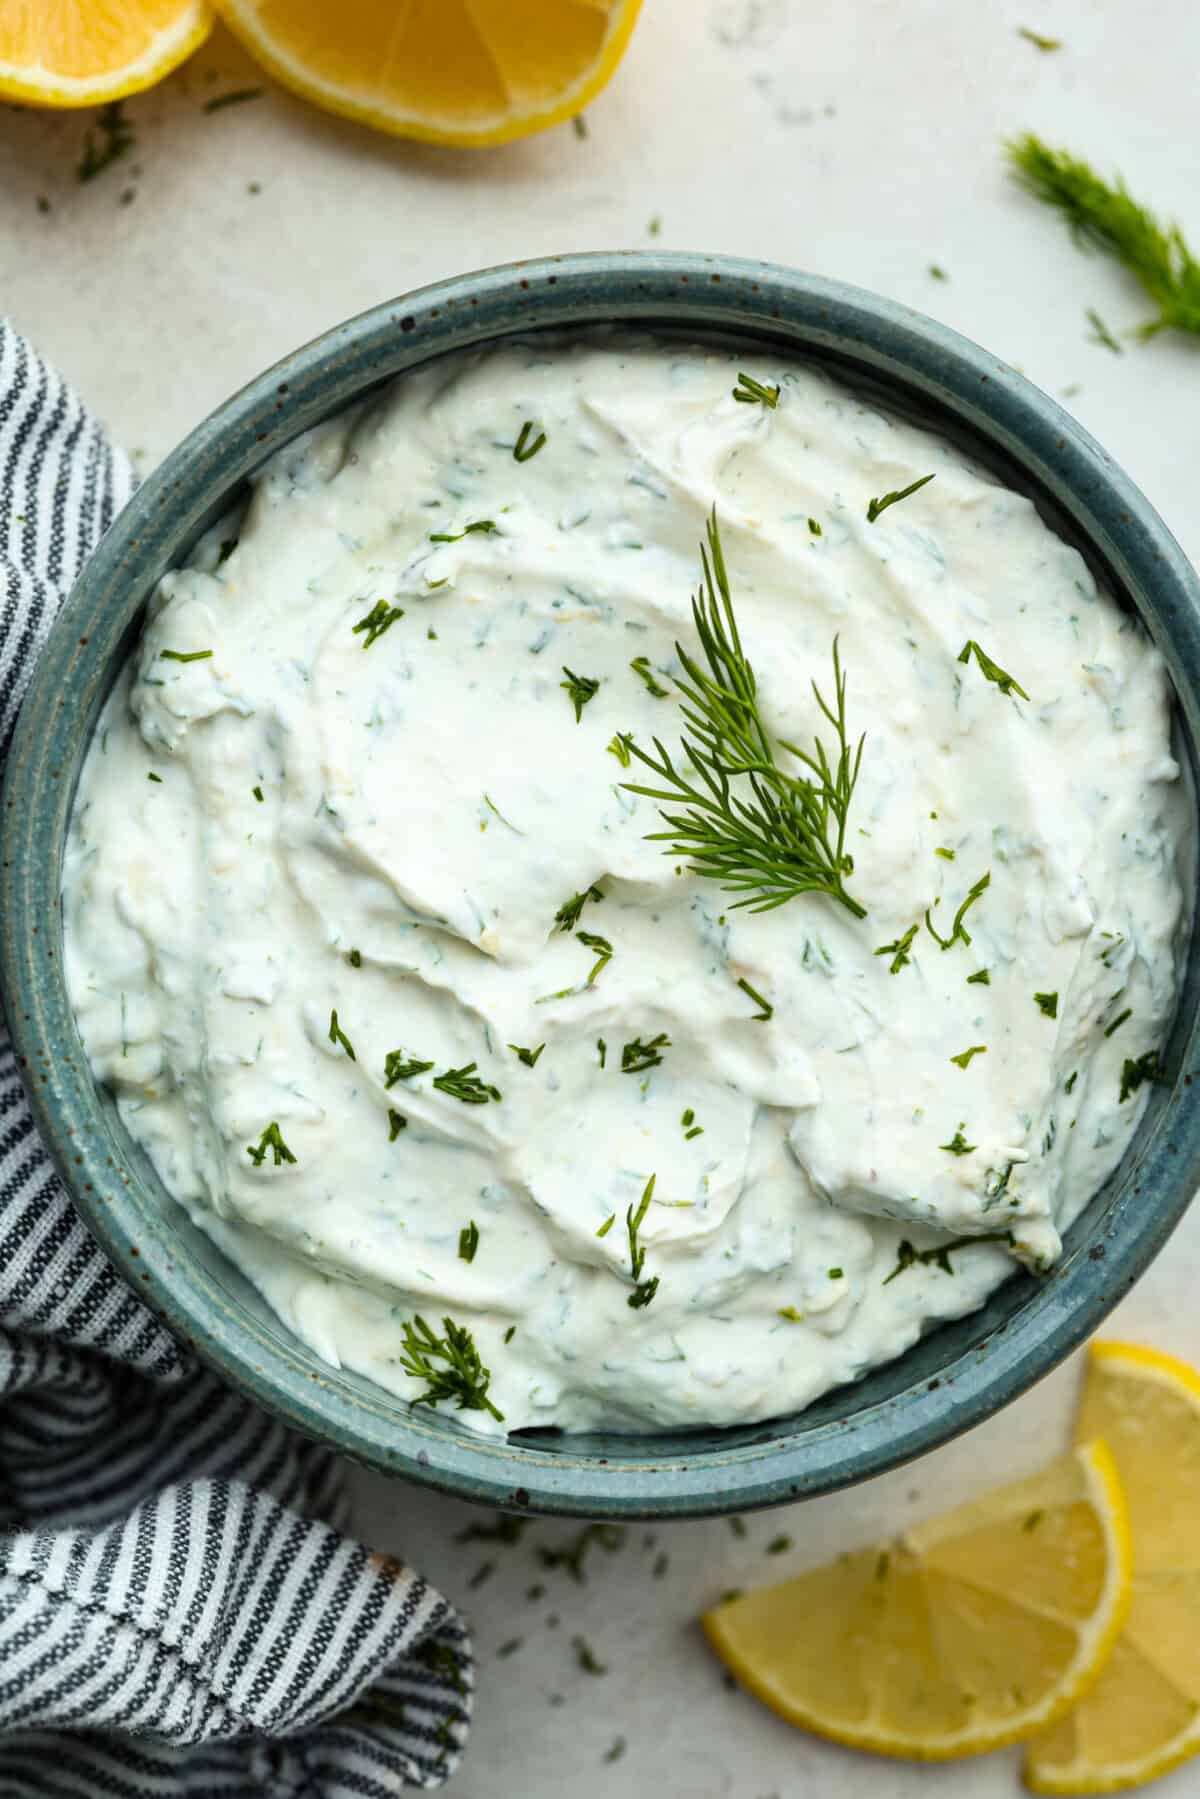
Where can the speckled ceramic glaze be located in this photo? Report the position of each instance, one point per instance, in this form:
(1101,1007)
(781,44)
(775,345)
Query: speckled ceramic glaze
(957,1375)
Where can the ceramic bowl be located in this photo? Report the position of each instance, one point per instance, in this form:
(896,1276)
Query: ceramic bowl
(959,1373)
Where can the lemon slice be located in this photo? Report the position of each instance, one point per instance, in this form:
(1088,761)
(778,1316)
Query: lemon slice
(59,53)
(449,71)
(974,1629)
(1143,1715)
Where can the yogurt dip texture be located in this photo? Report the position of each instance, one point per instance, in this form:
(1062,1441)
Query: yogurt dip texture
(319,929)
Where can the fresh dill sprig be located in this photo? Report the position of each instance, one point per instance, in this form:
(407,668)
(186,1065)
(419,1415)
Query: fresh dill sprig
(184,655)
(481,527)
(875,507)
(579,690)
(959,932)
(1136,1071)
(113,138)
(637,1056)
(468,1242)
(379,619)
(464,1084)
(568,914)
(898,951)
(464,1379)
(604,952)
(958,1145)
(273,1141)
(753,393)
(523,449)
(337,1035)
(1104,215)
(528,1057)
(992,670)
(399,1067)
(620,747)
(783,834)
(766,1009)
(939,1256)
(633,1222)
(1047,1004)
(642,669)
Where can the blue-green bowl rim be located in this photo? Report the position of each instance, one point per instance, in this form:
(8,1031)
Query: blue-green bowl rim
(958,1375)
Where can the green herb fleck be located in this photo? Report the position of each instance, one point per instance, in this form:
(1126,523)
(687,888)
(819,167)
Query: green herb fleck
(615,1750)
(153,777)
(586,1658)
(875,507)
(510,1647)
(481,527)
(1047,1004)
(814,528)
(184,655)
(959,933)
(1100,333)
(607,1225)
(601,1050)
(379,619)
(464,1379)
(397,1122)
(569,913)
(991,670)
(779,1545)
(399,1067)
(579,690)
(1038,40)
(1104,215)
(637,1056)
(235,98)
(620,748)
(273,1141)
(1119,1020)
(258,794)
(1033,1520)
(945,854)
(354,957)
(899,950)
(981,978)
(837,1274)
(464,1084)
(338,1035)
(791,1314)
(604,952)
(1069,1083)
(1135,1072)
(937,272)
(510,1333)
(527,1057)
(633,1221)
(571,1556)
(110,138)
(753,393)
(642,669)
(766,1010)
(468,1242)
(958,1145)
(977,1049)
(523,449)
(642,1294)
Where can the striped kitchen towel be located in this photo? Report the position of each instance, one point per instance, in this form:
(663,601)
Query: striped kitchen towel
(180,1611)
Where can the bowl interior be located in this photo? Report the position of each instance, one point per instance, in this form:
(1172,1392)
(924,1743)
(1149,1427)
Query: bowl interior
(957,1374)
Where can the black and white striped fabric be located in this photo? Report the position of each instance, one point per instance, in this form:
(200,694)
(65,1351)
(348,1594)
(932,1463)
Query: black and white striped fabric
(180,1613)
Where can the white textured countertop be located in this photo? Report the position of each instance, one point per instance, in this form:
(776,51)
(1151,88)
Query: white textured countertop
(860,141)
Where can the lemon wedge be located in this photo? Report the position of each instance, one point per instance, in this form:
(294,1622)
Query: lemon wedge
(59,53)
(1143,1715)
(465,72)
(972,1630)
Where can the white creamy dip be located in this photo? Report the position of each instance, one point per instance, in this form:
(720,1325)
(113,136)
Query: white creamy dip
(285,816)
